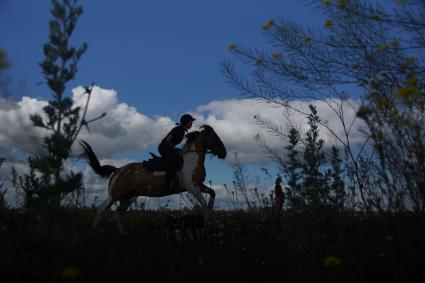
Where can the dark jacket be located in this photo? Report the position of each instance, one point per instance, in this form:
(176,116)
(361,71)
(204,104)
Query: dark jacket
(168,152)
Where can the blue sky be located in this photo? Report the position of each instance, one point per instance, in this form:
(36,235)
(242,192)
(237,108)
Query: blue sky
(160,57)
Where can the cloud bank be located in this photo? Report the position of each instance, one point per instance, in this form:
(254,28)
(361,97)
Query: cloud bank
(234,121)
(125,128)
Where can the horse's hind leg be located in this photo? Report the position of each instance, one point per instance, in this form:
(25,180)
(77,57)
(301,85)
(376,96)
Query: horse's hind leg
(124,205)
(119,223)
(105,205)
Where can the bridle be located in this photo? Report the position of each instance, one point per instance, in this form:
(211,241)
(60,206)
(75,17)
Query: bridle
(206,151)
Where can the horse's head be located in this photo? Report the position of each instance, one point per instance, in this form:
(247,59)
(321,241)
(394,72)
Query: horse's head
(212,142)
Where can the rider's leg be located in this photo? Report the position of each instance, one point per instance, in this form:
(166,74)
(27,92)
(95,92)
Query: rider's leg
(175,163)
(171,174)
(167,152)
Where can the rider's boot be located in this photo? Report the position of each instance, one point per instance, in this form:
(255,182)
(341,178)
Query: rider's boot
(172,179)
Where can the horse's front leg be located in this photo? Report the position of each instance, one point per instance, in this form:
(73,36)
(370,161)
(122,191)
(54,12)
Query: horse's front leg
(195,190)
(211,199)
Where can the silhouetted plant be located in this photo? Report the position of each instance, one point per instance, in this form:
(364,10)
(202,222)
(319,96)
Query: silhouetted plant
(313,185)
(3,191)
(232,196)
(314,182)
(368,57)
(240,181)
(336,193)
(47,183)
(292,169)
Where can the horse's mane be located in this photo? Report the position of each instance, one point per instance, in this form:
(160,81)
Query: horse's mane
(190,137)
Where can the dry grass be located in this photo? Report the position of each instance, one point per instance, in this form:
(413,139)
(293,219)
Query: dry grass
(236,247)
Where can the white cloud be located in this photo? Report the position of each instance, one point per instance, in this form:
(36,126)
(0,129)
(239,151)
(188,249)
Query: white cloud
(124,128)
(234,122)
(16,129)
(121,129)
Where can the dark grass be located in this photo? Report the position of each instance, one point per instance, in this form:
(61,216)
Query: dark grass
(236,247)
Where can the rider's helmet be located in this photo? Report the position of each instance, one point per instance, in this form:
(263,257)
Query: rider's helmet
(186,118)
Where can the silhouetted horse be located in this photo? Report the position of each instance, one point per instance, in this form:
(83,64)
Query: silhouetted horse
(133,179)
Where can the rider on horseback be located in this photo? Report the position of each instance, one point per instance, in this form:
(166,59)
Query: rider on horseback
(168,151)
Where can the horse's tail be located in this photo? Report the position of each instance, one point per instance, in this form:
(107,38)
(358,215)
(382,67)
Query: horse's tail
(103,171)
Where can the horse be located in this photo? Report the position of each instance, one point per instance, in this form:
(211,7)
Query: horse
(133,179)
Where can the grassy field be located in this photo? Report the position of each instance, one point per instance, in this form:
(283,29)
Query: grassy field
(235,247)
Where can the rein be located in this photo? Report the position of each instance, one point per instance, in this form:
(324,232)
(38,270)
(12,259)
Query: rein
(183,152)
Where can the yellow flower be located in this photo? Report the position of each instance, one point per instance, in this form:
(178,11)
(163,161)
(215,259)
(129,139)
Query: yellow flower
(376,16)
(383,102)
(395,42)
(276,56)
(393,112)
(373,93)
(327,2)
(332,262)
(72,272)
(232,47)
(268,25)
(342,4)
(410,60)
(328,23)
(406,92)
(307,39)
(355,66)
(412,80)
(383,46)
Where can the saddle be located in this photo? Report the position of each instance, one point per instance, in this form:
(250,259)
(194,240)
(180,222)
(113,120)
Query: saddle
(156,163)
